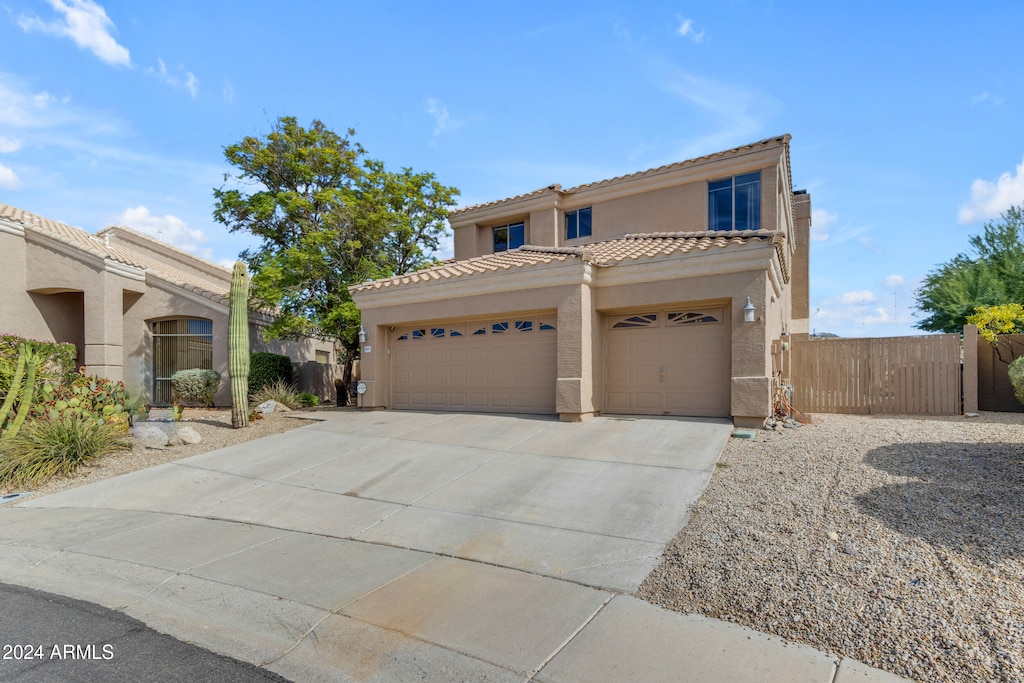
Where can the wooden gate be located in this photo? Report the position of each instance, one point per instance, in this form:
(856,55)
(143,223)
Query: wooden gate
(904,375)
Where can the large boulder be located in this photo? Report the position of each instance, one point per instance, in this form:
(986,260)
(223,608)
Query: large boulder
(188,434)
(150,435)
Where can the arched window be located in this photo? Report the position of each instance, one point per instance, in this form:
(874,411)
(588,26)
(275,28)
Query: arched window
(179,344)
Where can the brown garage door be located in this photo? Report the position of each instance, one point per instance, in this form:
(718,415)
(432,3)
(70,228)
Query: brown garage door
(668,363)
(505,365)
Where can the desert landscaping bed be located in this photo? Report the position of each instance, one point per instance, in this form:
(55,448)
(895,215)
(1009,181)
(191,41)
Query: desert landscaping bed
(213,426)
(898,541)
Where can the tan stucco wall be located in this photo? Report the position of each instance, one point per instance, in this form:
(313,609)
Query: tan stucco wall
(581,309)
(671,201)
(668,199)
(18,311)
(52,292)
(801,263)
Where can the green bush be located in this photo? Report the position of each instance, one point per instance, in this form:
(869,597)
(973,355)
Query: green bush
(307,400)
(279,391)
(57,360)
(93,398)
(195,385)
(1016,370)
(45,448)
(268,368)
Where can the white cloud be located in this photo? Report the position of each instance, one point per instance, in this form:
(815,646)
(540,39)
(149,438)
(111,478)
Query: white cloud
(191,84)
(170,229)
(9,179)
(442,117)
(19,109)
(228,91)
(8,145)
(736,114)
(894,281)
(821,222)
(879,316)
(870,245)
(179,79)
(84,22)
(987,97)
(861,296)
(686,30)
(990,199)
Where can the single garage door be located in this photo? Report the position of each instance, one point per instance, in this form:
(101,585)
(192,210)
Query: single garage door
(668,363)
(505,365)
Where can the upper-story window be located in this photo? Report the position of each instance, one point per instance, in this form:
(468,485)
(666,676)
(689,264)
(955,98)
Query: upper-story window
(509,237)
(735,203)
(577,223)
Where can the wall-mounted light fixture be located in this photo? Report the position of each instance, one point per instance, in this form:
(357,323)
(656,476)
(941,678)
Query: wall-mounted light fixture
(363,335)
(749,312)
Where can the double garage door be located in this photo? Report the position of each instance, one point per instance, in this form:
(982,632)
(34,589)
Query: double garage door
(672,362)
(668,363)
(506,365)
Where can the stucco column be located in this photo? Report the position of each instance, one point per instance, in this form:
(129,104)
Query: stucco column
(104,328)
(751,390)
(574,387)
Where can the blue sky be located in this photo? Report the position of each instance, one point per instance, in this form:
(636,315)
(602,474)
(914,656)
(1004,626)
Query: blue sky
(905,123)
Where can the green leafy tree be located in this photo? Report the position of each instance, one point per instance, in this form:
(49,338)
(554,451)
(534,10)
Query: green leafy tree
(327,217)
(991,274)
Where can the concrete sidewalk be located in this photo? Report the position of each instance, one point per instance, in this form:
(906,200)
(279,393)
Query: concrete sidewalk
(411,546)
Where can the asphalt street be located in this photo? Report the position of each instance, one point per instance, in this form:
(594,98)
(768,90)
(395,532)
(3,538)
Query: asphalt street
(47,638)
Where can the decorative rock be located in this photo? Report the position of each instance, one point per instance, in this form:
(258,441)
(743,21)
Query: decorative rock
(268,407)
(833,535)
(188,435)
(150,435)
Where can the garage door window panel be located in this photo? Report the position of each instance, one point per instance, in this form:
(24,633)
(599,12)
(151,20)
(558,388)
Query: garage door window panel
(646,320)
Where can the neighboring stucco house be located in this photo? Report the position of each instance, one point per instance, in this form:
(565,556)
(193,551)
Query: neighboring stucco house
(135,308)
(623,296)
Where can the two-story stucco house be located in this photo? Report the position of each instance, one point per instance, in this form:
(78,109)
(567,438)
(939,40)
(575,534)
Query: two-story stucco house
(655,293)
(137,309)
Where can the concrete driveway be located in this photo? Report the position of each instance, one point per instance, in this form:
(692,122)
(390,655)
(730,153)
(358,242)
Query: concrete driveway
(407,546)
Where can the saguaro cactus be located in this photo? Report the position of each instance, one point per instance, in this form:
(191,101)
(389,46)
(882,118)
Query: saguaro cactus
(27,358)
(238,345)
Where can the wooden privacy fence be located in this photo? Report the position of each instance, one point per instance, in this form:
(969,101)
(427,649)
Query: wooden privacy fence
(994,389)
(905,375)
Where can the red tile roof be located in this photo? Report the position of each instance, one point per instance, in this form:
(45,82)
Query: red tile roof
(96,246)
(630,247)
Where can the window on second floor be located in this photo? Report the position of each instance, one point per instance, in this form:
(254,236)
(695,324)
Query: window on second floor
(577,223)
(735,203)
(509,237)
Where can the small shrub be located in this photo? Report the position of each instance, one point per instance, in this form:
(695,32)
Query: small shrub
(46,448)
(277,391)
(57,360)
(195,385)
(306,399)
(267,368)
(1016,369)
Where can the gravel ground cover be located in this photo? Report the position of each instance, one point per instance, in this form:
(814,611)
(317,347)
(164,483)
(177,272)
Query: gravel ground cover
(214,426)
(897,541)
